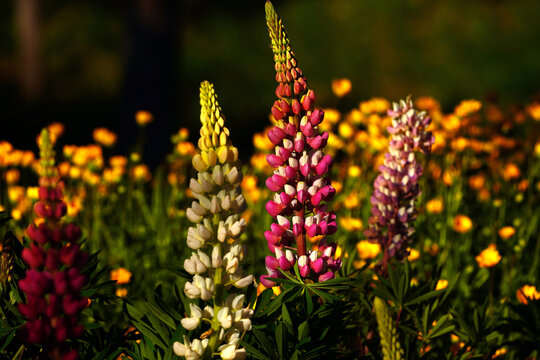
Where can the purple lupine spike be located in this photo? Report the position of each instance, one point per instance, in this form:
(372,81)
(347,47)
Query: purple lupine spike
(396,187)
(301,168)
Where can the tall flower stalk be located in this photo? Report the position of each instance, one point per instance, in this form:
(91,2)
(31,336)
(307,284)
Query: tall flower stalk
(53,282)
(215,261)
(396,188)
(300,179)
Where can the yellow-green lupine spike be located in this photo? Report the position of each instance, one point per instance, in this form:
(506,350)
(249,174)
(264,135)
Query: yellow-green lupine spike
(278,36)
(214,143)
(387,330)
(48,171)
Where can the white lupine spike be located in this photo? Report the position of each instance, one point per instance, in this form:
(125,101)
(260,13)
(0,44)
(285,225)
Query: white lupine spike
(192,291)
(239,202)
(179,348)
(245,281)
(195,186)
(197,208)
(236,250)
(217,175)
(233,175)
(232,266)
(243,325)
(214,205)
(224,318)
(193,241)
(216,257)
(222,232)
(206,185)
(190,323)
(204,201)
(228,352)
(192,216)
(237,228)
(208,312)
(226,203)
(205,259)
(237,302)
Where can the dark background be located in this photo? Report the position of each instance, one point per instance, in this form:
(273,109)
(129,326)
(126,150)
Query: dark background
(89,63)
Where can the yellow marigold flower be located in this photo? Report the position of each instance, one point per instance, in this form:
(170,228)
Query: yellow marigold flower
(511,172)
(346,130)
(331,116)
(341,87)
(185,148)
(334,142)
(413,255)
(467,107)
(355,116)
(121,275)
(143,117)
(534,111)
(477,182)
(32,192)
(484,194)
(350,224)
(261,142)
(374,105)
(338,185)
(537,149)
(435,206)
(462,223)
(28,158)
(15,193)
(354,171)
(488,257)
(118,161)
(74,206)
(121,292)
(351,201)
(69,150)
(75,172)
(441,284)
(499,353)
(104,137)
(451,123)
(523,185)
(527,292)
(459,144)
(12,176)
(258,162)
(183,134)
(16,214)
(113,175)
(507,232)
(367,250)
(140,172)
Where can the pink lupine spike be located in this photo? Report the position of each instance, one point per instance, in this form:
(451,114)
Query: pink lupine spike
(273,208)
(290,129)
(299,144)
(267,283)
(271,262)
(284,153)
(284,264)
(276,135)
(291,173)
(317,266)
(270,184)
(271,237)
(274,160)
(326,276)
(316,199)
(316,117)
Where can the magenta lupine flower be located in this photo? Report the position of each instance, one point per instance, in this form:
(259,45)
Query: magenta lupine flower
(300,179)
(53,282)
(396,187)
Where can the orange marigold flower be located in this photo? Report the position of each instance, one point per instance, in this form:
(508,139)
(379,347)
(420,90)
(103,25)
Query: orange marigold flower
(511,172)
(507,232)
(341,87)
(534,111)
(346,130)
(121,275)
(351,201)
(143,117)
(56,129)
(462,223)
(374,105)
(467,107)
(435,206)
(12,176)
(141,173)
(118,161)
(261,141)
(185,148)
(477,182)
(121,292)
(104,137)
(488,257)
(527,292)
(427,103)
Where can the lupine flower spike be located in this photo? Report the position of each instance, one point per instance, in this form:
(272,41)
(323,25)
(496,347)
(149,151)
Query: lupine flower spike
(300,179)
(53,282)
(396,187)
(215,261)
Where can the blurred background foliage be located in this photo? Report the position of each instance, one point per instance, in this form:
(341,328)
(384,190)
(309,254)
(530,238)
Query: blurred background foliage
(95,63)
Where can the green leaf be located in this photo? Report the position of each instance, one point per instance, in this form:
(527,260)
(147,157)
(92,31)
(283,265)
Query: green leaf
(309,302)
(425,297)
(280,339)
(160,314)
(303,330)
(286,316)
